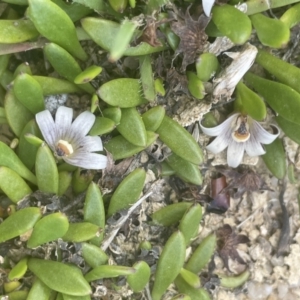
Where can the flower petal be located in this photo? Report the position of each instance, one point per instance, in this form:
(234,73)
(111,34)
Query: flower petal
(221,141)
(47,126)
(253,147)
(83,123)
(85,160)
(207,6)
(219,144)
(63,120)
(262,135)
(215,131)
(89,144)
(235,153)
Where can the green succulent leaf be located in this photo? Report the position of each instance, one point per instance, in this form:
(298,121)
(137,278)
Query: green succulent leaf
(169,264)
(60,277)
(282,98)
(249,103)
(271,32)
(128,191)
(17,31)
(170,214)
(232,22)
(94,211)
(13,185)
(140,278)
(132,128)
(202,254)
(48,229)
(283,71)
(39,290)
(184,169)
(275,158)
(234,281)
(53,23)
(123,92)
(108,271)
(19,223)
(180,141)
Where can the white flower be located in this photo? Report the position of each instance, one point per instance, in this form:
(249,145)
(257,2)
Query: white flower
(69,141)
(240,133)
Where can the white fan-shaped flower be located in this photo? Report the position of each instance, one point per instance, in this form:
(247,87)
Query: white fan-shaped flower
(239,133)
(69,141)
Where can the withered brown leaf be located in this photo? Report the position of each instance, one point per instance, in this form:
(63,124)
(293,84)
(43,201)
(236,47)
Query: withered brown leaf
(150,32)
(245,180)
(227,242)
(192,37)
(177,82)
(219,194)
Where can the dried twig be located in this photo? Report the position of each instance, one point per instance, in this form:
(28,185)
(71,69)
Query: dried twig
(21,47)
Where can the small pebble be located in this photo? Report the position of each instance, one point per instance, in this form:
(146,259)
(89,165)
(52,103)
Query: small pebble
(259,291)
(282,290)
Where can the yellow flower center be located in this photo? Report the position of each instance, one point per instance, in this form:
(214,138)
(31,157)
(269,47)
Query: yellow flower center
(241,132)
(64,148)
